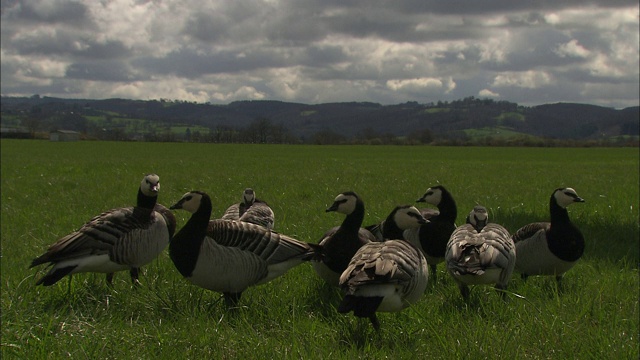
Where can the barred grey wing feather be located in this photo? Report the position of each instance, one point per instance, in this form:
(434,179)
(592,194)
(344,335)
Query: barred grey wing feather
(97,236)
(530,230)
(268,245)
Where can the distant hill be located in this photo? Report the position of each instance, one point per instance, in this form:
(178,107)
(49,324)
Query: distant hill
(349,119)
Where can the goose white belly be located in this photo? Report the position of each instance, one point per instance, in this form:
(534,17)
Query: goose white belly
(276,270)
(227,269)
(328,275)
(94,263)
(535,258)
(392,300)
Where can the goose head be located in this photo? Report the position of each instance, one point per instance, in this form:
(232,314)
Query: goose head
(190,202)
(408,217)
(566,196)
(150,185)
(249,196)
(344,203)
(478,217)
(433,195)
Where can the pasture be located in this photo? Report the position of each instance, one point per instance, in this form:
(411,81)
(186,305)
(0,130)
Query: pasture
(50,189)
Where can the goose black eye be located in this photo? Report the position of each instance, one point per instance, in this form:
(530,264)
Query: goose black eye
(188,198)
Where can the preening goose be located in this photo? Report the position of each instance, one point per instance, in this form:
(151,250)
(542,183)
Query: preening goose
(480,252)
(432,237)
(229,256)
(400,219)
(118,239)
(550,248)
(383,277)
(340,243)
(251,209)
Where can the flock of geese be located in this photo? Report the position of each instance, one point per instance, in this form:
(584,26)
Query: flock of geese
(382,267)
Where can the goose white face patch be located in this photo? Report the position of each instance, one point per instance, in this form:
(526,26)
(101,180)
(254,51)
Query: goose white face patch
(150,185)
(433,196)
(478,215)
(191,202)
(565,197)
(347,203)
(407,218)
(249,196)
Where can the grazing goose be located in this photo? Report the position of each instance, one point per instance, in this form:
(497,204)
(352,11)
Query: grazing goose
(229,256)
(383,277)
(340,243)
(433,236)
(550,248)
(118,239)
(400,219)
(251,209)
(480,252)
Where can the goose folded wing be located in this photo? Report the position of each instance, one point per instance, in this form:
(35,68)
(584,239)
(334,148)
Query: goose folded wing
(529,230)
(269,245)
(97,236)
(380,263)
(260,214)
(232,212)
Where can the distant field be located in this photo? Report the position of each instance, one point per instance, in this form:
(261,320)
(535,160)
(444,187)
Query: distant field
(50,189)
(496,131)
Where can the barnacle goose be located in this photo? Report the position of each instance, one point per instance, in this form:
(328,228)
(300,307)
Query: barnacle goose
(400,219)
(118,239)
(550,248)
(480,252)
(383,277)
(433,236)
(229,256)
(340,243)
(251,209)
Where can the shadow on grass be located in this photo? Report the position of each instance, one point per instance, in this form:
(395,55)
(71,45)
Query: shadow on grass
(614,240)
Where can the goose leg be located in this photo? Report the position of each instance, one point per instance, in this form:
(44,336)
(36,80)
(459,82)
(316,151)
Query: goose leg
(559,282)
(501,289)
(110,279)
(434,273)
(134,275)
(374,321)
(231,299)
(464,291)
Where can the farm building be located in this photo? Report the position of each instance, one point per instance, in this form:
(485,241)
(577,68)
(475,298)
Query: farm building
(14,133)
(64,135)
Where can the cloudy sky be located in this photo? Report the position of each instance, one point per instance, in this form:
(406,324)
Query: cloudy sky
(317,51)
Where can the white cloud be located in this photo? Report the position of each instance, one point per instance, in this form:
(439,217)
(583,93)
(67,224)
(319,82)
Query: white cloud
(422,84)
(486,93)
(572,49)
(531,79)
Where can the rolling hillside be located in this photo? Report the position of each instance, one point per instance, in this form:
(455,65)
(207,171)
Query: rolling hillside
(349,119)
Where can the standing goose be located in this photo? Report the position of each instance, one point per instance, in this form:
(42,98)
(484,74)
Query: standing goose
(229,256)
(400,219)
(432,237)
(340,243)
(251,209)
(480,252)
(118,239)
(383,277)
(550,248)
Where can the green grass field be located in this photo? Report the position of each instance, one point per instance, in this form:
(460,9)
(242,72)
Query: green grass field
(50,189)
